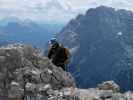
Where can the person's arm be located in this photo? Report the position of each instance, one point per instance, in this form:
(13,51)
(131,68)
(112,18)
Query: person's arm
(50,54)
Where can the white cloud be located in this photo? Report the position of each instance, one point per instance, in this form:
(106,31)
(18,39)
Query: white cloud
(54,10)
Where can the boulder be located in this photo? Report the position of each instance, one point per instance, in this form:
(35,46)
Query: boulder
(109,85)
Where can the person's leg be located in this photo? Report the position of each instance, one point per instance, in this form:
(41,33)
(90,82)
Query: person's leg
(59,64)
(63,66)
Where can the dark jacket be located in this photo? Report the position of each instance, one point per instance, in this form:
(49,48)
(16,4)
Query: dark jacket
(53,50)
(58,56)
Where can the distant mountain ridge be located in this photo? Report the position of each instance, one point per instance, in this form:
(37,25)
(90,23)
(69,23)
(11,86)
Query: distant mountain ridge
(14,30)
(102,45)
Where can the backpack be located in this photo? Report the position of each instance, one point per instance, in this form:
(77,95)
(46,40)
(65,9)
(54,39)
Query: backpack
(66,55)
(61,57)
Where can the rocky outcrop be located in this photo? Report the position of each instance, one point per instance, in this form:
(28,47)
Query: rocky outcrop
(23,71)
(109,85)
(98,93)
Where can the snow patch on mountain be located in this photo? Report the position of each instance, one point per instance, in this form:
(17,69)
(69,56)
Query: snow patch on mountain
(120,33)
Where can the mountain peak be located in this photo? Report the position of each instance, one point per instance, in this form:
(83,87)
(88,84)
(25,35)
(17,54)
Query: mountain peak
(103,41)
(104,7)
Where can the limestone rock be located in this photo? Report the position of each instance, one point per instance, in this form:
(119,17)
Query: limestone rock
(24,69)
(109,85)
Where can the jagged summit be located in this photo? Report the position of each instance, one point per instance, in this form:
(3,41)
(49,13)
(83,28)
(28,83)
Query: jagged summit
(102,47)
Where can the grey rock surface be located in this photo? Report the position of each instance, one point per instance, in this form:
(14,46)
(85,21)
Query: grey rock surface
(23,71)
(109,85)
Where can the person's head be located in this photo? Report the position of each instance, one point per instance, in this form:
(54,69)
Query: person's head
(53,42)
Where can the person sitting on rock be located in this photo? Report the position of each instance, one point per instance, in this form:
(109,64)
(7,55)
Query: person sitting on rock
(58,54)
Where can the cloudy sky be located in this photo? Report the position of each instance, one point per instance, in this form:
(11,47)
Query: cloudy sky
(54,10)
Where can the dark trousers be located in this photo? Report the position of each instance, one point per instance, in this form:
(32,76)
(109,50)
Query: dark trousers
(60,64)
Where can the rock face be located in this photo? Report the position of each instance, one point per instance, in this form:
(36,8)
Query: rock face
(102,46)
(109,85)
(23,71)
